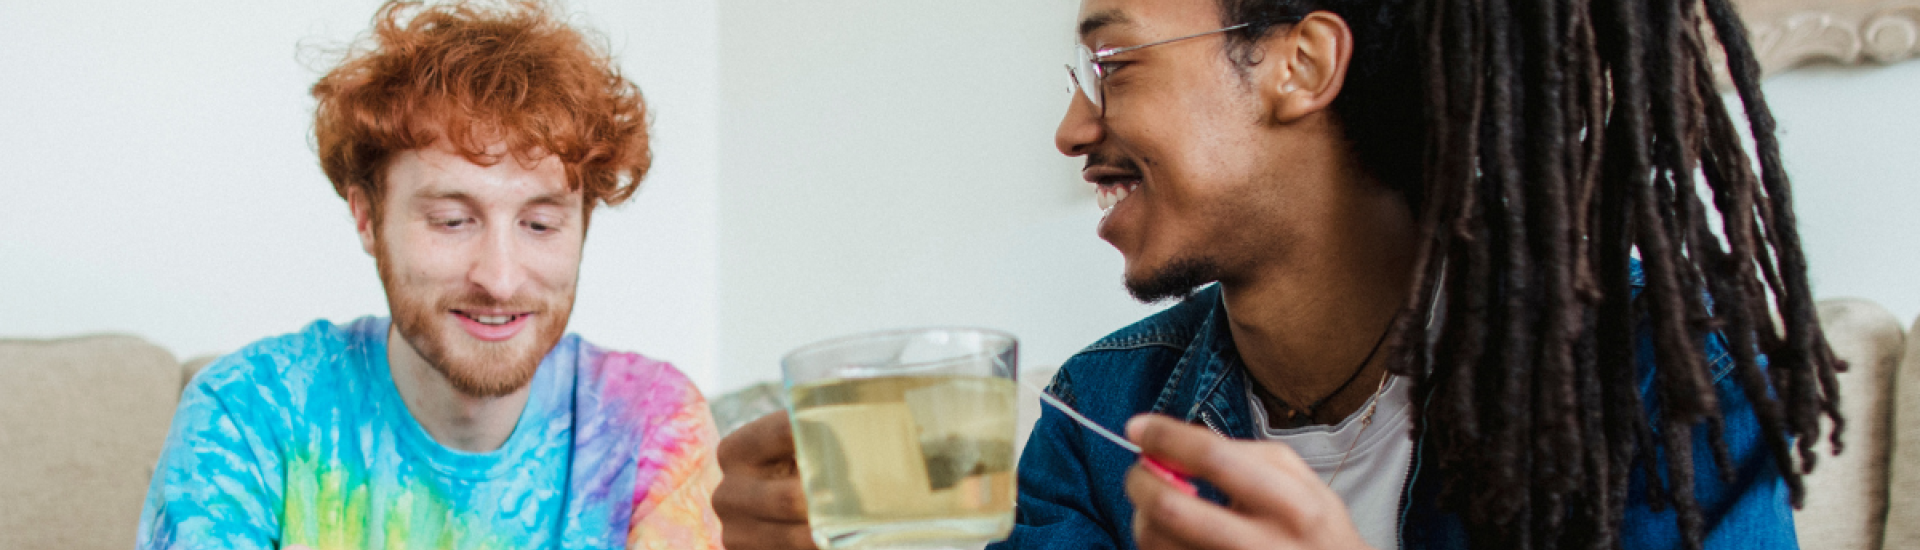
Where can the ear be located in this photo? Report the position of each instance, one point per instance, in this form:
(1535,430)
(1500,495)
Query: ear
(362,206)
(1308,66)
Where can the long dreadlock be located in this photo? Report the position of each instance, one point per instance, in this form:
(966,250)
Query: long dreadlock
(1561,139)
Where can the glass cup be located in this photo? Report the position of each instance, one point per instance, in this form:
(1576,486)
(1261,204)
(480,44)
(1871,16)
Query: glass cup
(904,438)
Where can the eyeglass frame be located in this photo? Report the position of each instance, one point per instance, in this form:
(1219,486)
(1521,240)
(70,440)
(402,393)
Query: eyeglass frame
(1091,60)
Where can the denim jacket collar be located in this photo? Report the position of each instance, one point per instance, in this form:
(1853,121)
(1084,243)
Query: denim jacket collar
(1208,385)
(1182,362)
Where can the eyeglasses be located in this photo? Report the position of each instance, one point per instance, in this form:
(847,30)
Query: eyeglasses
(1088,74)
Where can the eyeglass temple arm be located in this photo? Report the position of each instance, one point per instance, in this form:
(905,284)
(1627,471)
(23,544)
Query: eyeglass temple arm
(1102,54)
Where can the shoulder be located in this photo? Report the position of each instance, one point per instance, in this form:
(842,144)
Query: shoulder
(641,407)
(1173,327)
(284,363)
(233,425)
(634,383)
(1713,347)
(1136,360)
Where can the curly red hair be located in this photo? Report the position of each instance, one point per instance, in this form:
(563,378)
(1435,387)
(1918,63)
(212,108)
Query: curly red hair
(475,75)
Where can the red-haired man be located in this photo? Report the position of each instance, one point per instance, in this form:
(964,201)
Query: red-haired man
(472,143)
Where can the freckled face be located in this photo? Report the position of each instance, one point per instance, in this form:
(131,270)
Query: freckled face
(479,263)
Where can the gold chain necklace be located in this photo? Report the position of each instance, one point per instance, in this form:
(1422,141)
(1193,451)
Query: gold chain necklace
(1366,420)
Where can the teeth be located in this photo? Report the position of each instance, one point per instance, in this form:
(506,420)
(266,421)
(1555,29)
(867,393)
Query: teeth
(1110,195)
(492,319)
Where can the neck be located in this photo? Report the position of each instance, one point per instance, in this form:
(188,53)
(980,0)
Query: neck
(454,419)
(1304,323)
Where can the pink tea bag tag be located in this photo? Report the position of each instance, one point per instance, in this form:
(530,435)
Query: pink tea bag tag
(1168,474)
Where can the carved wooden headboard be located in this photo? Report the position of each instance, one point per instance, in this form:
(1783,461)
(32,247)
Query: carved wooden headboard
(1790,33)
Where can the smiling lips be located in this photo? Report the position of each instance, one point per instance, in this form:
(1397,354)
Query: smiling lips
(492,326)
(1113,185)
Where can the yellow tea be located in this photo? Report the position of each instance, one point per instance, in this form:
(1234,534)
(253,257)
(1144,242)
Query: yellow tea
(906,460)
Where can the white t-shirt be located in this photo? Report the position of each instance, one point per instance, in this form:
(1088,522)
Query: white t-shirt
(1376,472)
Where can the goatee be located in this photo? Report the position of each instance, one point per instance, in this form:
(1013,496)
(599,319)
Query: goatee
(1178,280)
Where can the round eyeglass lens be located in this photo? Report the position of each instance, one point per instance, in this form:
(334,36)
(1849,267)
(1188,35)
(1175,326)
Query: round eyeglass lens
(1086,74)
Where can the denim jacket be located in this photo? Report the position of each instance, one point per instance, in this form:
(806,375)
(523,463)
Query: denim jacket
(1180,362)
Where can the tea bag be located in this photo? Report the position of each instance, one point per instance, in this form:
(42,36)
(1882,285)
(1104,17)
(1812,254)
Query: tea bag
(870,448)
(963,429)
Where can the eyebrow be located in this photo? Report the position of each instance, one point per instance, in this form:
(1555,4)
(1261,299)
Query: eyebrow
(432,194)
(548,199)
(1102,19)
(551,199)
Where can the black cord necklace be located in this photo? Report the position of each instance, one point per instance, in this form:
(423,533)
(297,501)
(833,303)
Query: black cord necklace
(1307,413)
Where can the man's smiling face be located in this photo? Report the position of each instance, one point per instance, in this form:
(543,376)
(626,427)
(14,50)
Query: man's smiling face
(479,262)
(1184,156)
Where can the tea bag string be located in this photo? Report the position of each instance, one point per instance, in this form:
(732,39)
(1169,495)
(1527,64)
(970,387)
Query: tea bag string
(1083,420)
(1159,469)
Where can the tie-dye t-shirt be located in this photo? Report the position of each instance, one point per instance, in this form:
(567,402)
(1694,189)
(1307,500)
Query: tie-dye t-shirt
(303,440)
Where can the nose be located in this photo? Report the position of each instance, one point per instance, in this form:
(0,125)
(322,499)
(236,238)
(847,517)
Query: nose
(497,268)
(1080,128)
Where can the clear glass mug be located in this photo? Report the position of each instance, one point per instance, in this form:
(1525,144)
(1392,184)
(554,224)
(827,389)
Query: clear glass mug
(904,438)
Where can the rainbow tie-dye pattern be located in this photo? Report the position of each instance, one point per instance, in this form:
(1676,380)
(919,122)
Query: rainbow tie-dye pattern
(302,440)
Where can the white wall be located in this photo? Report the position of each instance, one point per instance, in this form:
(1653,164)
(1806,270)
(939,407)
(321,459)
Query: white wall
(823,168)
(157,177)
(1851,141)
(890,163)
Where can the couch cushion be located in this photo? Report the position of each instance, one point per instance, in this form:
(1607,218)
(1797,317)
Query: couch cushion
(1846,502)
(81,423)
(1903,507)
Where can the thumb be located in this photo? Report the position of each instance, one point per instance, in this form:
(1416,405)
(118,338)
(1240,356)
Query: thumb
(1177,445)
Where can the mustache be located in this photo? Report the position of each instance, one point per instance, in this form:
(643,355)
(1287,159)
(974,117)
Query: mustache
(478,299)
(1125,164)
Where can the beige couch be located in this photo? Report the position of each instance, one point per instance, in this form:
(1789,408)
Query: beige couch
(81,422)
(1869,496)
(82,419)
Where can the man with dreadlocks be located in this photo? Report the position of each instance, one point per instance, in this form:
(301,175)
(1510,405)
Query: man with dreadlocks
(1465,276)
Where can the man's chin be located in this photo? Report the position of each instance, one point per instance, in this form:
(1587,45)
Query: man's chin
(1175,281)
(490,370)
(482,369)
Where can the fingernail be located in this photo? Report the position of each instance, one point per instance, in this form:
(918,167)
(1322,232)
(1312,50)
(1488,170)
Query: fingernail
(1168,475)
(1134,426)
